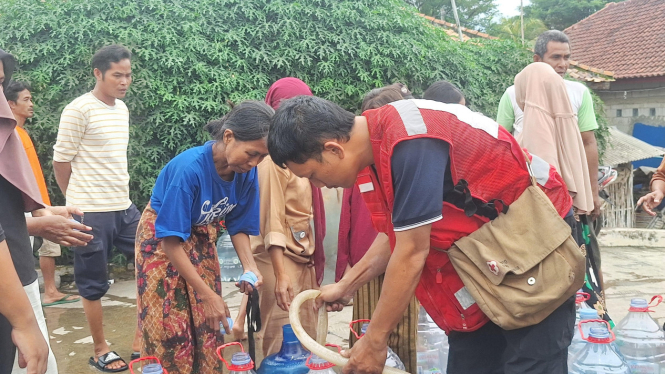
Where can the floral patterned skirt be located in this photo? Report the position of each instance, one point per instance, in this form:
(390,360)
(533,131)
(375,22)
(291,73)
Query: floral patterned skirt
(170,313)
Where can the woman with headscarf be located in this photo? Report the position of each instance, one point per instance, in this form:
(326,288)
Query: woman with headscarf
(180,305)
(21,327)
(550,131)
(289,252)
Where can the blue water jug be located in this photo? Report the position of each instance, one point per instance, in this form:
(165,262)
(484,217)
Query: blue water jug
(241,363)
(598,357)
(290,359)
(640,339)
(229,264)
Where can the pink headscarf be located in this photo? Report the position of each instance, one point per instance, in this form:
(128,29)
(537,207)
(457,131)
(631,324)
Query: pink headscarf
(283,89)
(14,164)
(551,131)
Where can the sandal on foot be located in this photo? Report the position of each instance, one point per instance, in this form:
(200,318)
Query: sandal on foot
(135,356)
(65,300)
(104,360)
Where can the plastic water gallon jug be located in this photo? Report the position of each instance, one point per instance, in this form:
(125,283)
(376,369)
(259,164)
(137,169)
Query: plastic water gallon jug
(290,359)
(317,365)
(152,368)
(241,363)
(640,339)
(229,264)
(578,343)
(598,357)
(581,299)
(392,360)
(432,346)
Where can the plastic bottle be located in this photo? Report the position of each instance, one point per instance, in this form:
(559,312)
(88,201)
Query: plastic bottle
(290,359)
(580,303)
(640,339)
(598,357)
(241,363)
(432,346)
(577,344)
(229,264)
(392,359)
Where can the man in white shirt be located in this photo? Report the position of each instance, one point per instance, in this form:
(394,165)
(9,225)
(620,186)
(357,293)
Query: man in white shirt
(553,48)
(90,164)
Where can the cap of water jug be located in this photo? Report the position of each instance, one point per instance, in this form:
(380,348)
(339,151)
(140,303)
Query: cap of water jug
(641,305)
(240,359)
(599,335)
(588,314)
(153,369)
(638,304)
(581,297)
(315,362)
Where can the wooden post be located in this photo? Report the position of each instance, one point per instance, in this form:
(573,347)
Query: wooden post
(459,27)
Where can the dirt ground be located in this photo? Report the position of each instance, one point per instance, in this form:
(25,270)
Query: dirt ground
(628,272)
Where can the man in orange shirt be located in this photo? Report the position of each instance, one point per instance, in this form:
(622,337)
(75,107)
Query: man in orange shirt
(20,101)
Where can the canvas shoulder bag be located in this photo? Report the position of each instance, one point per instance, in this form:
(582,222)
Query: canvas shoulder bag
(522,265)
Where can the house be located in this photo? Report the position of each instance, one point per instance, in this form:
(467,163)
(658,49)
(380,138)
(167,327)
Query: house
(592,77)
(627,39)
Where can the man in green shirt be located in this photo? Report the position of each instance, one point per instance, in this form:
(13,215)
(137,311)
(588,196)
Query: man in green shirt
(553,48)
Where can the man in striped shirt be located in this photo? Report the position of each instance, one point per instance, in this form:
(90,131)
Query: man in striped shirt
(90,164)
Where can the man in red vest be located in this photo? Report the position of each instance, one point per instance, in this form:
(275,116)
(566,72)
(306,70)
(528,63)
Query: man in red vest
(430,173)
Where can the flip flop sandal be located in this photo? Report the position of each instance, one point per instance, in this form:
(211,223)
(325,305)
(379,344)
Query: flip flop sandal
(135,356)
(65,300)
(104,360)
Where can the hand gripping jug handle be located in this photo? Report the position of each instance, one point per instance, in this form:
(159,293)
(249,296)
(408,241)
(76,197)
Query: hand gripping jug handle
(594,340)
(148,358)
(322,331)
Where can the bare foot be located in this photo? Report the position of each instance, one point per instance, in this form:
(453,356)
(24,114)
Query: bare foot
(102,350)
(57,296)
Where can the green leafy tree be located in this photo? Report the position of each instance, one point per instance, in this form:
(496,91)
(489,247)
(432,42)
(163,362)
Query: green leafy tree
(510,28)
(190,57)
(473,14)
(560,14)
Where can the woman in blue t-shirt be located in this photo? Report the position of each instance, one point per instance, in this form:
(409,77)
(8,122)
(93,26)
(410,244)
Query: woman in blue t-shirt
(178,277)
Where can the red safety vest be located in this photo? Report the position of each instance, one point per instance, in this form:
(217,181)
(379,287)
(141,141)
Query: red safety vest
(484,155)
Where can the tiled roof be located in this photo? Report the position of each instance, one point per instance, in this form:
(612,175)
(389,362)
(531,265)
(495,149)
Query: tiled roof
(585,73)
(467,33)
(580,72)
(627,38)
(624,148)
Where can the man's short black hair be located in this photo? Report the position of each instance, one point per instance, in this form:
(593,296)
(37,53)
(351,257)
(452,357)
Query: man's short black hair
(110,54)
(443,92)
(14,88)
(549,36)
(302,124)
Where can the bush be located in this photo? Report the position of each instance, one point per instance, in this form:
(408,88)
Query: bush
(190,57)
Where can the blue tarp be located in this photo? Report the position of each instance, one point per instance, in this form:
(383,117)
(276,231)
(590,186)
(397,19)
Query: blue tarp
(654,135)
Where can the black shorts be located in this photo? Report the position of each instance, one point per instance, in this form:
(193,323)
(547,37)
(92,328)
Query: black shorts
(537,349)
(90,262)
